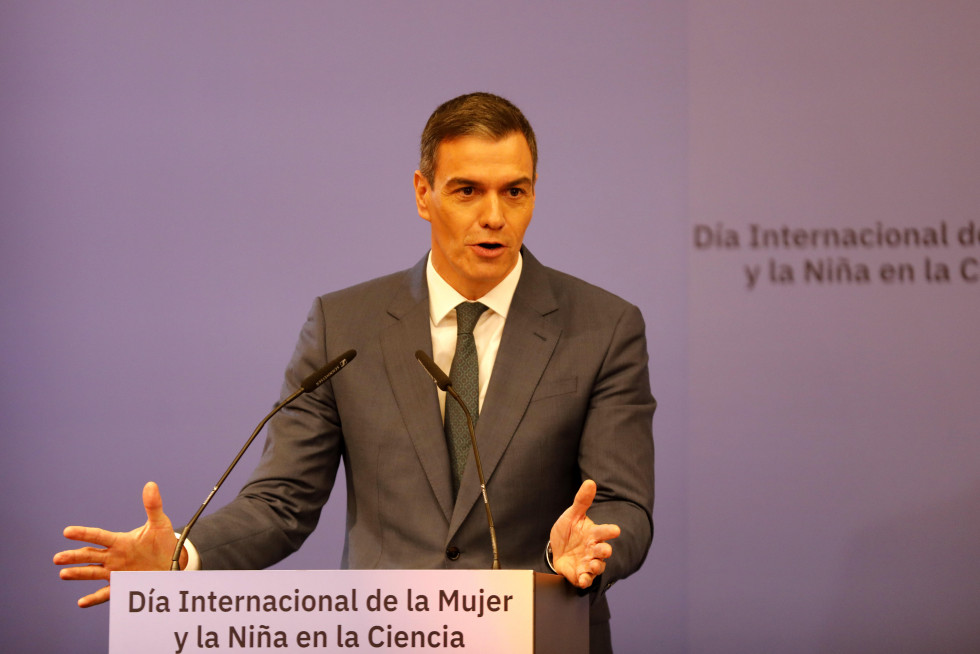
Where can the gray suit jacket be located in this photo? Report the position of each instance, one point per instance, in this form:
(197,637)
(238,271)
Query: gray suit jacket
(569,399)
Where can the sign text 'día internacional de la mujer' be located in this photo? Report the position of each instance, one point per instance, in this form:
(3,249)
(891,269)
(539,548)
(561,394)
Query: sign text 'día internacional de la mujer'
(300,611)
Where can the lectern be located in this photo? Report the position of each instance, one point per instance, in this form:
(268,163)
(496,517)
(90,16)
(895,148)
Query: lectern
(472,611)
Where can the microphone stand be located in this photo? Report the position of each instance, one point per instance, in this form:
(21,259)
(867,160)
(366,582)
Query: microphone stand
(311,382)
(479,472)
(442,381)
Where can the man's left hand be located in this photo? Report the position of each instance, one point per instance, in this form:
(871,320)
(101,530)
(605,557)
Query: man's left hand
(578,546)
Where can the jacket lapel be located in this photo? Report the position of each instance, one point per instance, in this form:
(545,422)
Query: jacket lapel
(527,344)
(414,391)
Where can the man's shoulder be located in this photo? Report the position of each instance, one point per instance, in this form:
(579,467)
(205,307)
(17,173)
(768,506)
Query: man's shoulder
(380,290)
(370,287)
(566,283)
(571,290)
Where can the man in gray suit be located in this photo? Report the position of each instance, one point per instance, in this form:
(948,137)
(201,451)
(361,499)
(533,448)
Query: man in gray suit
(561,389)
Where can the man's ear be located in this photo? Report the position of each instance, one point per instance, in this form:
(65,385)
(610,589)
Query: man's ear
(422,193)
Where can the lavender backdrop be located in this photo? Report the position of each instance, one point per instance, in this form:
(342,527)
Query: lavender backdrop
(834,486)
(180,179)
(177,181)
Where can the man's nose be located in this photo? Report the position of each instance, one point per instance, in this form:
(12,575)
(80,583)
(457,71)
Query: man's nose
(493,215)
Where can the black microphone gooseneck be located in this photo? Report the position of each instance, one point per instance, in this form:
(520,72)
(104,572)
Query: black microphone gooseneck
(442,381)
(311,382)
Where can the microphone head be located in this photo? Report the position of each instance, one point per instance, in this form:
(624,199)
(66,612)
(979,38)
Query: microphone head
(326,372)
(438,376)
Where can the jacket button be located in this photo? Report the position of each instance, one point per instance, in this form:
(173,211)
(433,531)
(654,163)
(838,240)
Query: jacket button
(452,552)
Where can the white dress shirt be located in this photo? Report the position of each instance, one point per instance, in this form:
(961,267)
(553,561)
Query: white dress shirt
(443,299)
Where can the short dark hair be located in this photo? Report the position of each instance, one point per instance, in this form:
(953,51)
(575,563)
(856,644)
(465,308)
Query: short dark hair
(473,114)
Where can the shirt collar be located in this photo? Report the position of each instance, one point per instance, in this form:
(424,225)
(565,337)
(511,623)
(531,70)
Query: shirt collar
(443,298)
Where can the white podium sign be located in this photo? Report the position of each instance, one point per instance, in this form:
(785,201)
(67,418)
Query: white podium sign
(300,611)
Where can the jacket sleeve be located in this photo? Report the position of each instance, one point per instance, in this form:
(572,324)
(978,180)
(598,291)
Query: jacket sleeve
(280,504)
(616,448)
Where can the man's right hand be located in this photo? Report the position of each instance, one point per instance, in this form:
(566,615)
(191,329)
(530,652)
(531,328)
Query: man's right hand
(149,547)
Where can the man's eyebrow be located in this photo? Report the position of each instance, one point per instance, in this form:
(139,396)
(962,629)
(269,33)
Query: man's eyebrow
(462,181)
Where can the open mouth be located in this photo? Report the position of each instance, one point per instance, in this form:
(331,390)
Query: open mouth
(488,249)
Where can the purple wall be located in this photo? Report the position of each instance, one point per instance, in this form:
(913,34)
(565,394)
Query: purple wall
(834,487)
(179,180)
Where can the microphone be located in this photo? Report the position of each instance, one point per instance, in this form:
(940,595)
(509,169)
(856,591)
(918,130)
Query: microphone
(316,379)
(444,384)
(438,376)
(311,382)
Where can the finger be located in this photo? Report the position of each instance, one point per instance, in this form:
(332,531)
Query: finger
(83,555)
(602,551)
(153,504)
(583,498)
(98,597)
(592,569)
(605,532)
(85,573)
(92,535)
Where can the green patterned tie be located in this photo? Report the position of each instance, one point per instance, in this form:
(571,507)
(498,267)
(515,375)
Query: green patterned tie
(465,376)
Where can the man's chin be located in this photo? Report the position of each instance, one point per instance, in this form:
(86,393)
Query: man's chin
(484,275)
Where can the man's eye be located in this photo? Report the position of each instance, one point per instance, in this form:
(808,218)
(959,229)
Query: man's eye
(516,192)
(466,190)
